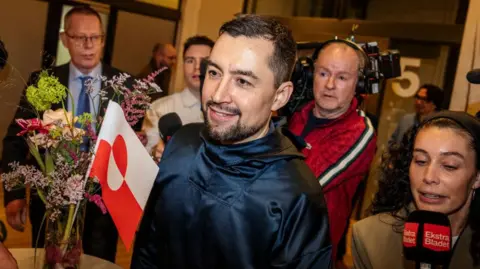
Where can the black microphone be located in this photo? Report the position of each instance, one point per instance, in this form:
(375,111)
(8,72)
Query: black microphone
(474,76)
(168,124)
(427,239)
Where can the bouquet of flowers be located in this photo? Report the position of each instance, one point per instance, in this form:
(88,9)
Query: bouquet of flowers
(63,146)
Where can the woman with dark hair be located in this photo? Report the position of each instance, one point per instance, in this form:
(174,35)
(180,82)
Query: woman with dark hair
(437,168)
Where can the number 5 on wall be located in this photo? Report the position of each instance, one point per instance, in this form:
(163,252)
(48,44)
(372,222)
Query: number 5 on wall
(411,77)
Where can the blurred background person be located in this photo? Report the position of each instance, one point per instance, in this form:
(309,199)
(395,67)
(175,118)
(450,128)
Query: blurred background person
(428,99)
(187,103)
(163,55)
(437,169)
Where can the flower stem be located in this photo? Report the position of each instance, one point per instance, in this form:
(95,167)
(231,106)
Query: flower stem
(42,197)
(66,235)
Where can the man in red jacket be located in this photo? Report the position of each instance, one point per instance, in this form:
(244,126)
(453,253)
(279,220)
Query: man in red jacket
(340,138)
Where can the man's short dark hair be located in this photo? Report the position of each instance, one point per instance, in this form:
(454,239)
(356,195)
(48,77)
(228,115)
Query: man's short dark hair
(83,10)
(3,55)
(284,47)
(197,40)
(434,95)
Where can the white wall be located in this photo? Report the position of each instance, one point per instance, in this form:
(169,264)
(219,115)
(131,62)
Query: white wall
(203,17)
(22,28)
(135,37)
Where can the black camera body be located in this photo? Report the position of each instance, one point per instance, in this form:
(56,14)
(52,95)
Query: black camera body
(378,66)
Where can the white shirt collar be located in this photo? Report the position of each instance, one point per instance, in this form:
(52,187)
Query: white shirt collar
(95,73)
(188,98)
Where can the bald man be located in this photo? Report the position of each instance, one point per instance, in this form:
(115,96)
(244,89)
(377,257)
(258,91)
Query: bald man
(163,55)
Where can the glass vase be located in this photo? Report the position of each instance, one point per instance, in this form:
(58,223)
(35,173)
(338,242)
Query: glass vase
(63,237)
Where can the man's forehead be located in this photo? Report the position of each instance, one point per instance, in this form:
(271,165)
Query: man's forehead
(195,50)
(241,51)
(84,21)
(339,56)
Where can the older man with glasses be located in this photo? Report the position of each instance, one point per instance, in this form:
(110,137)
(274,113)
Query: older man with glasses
(83,36)
(428,99)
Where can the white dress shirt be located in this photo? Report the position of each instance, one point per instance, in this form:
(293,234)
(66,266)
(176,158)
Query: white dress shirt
(184,103)
(75,87)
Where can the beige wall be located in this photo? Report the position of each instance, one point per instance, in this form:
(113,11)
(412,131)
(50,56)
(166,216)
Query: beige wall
(135,37)
(275,7)
(22,28)
(466,95)
(202,17)
(164,3)
(439,11)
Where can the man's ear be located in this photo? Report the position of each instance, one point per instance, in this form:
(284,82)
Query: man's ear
(64,37)
(476,183)
(282,95)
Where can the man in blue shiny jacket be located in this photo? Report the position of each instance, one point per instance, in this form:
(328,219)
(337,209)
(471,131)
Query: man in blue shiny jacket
(235,192)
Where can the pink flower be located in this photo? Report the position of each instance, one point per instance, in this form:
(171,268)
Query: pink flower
(151,77)
(74,189)
(97,199)
(29,125)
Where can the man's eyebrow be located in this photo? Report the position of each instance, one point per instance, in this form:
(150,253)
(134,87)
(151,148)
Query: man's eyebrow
(247,73)
(210,62)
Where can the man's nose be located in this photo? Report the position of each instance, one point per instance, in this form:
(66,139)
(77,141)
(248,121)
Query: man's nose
(330,83)
(222,93)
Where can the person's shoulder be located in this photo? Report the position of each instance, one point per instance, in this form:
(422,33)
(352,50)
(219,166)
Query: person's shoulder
(184,141)
(376,225)
(54,70)
(295,173)
(110,71)
(165,104)
(356,130)
(188,133)
(408,118)
(360,122)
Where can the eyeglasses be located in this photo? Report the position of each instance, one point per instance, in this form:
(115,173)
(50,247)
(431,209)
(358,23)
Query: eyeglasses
(425,99)
(81,40)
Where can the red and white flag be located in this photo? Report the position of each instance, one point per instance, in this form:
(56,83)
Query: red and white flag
(125,170)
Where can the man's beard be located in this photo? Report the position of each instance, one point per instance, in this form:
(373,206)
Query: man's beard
(231,134)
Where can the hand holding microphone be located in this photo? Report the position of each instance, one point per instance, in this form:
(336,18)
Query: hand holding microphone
(427,239)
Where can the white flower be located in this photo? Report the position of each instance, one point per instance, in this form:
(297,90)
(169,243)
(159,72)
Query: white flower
(70,134)
(43,140)
(58,116)
(155,87)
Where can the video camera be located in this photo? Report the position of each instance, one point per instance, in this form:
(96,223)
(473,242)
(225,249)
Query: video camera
(378,66)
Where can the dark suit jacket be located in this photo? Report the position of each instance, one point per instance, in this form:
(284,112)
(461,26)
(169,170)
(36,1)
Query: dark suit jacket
(15,147)
(375,244)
